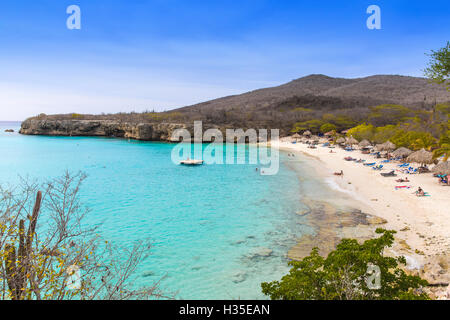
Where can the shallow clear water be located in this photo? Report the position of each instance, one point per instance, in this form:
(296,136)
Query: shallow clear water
(205,222)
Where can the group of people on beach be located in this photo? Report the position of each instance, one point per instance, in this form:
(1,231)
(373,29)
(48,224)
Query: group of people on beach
(419,193)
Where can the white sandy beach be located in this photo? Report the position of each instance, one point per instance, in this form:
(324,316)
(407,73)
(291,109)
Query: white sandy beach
(422,222)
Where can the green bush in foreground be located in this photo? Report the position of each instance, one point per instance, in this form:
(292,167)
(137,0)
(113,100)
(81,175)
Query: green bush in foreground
(343,275)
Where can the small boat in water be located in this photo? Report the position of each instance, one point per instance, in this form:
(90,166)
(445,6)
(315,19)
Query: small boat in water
(189,162)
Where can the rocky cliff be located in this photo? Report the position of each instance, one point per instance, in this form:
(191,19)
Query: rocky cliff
(137,131)
(102,128)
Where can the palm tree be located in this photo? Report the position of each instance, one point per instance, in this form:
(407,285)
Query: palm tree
(444,148)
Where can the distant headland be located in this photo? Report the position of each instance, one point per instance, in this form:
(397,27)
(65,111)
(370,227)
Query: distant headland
(315,98)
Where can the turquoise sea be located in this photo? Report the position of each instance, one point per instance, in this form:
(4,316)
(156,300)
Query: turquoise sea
(207,223)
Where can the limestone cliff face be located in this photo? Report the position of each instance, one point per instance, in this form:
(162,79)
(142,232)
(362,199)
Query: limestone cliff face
(137,131)
(102,128)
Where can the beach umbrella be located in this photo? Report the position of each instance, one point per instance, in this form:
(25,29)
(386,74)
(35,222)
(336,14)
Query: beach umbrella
(422,157)
(315,138)
(387,146)
(340,140)
(402,152)
(442,168)
(296,136)
(351,141)
(307,133)
(380,147)
(364,144)
(330,133)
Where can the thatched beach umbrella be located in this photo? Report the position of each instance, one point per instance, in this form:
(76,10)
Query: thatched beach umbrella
(307,133)
(296,136)
(402,152)
(442,168)
(422,157)
(351,141)
(387,146)
(340,140)
(364,144)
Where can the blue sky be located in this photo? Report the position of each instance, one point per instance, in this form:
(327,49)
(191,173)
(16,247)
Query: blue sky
(136,55)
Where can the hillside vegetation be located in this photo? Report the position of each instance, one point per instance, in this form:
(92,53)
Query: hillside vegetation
(308,102)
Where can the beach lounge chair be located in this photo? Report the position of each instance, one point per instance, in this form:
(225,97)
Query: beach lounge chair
(423,170)
(370,164)
(403,165)
(380,167)
(390,174)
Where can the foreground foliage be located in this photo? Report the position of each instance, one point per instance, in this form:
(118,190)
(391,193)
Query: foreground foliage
(343,275)
(60,258)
